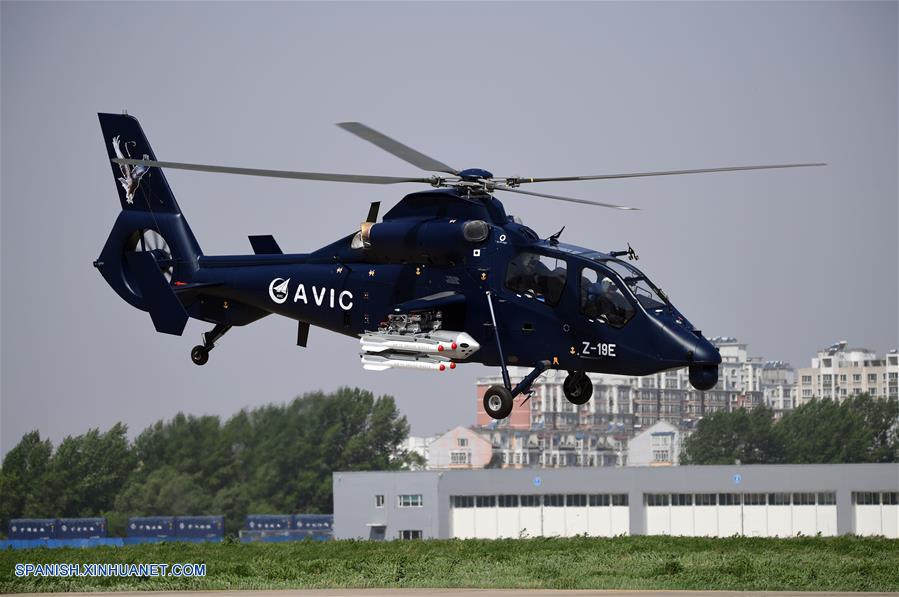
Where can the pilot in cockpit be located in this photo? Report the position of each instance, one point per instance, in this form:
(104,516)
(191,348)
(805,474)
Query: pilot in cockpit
(604,301)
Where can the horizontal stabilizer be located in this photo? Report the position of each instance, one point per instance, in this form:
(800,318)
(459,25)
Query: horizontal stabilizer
(166,310)
(265,245)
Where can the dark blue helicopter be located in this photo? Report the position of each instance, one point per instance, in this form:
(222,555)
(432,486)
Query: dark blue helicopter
(445,277)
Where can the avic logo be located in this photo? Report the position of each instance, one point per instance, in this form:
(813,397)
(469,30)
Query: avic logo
(278,290)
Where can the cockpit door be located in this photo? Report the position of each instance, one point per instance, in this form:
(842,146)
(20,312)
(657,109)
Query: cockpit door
(605,310)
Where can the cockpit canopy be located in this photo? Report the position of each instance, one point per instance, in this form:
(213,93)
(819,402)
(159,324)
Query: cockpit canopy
(607,287)
(647,293)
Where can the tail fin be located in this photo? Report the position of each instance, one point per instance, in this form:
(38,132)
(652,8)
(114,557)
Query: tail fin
(150,222)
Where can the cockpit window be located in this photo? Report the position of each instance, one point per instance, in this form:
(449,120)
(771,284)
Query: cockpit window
(602,299)
(645,291)
(540,276)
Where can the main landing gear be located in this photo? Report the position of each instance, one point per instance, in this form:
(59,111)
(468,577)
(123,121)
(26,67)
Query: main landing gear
(199,354)
(577,387)
(498,400)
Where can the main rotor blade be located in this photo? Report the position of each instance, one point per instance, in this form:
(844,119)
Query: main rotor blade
(403,152)
(664,173)
(500,187)
(359,178)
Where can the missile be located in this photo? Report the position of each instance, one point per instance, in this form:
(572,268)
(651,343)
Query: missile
(455,345)
(390,360)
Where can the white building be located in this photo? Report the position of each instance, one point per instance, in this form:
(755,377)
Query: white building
(657,446)
(840,371)
(459,448)
(709,501)
(779,386)
(418,445)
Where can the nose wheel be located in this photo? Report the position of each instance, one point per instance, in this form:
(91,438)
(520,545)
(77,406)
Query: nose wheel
(577,387)
(199,354)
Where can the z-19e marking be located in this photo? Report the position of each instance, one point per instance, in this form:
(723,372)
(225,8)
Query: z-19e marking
(600,349)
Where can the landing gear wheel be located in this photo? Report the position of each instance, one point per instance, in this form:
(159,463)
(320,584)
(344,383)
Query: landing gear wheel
(498,402)
(199,355)
(577,387)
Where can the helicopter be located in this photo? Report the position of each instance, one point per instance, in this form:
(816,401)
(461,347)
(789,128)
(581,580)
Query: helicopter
(444,278)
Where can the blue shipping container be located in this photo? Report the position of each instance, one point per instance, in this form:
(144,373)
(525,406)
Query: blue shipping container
(151,526)
(199,526)
(313,522)
(32,528)
(80,528)
(267,522)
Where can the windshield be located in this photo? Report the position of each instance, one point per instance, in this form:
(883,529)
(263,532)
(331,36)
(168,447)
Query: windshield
(643,290)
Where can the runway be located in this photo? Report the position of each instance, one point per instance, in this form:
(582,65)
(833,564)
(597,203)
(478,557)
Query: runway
(468,592)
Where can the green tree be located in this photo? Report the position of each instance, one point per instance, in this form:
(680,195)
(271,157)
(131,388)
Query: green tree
(21,476)
(858,429)
(271,459)
(727,437)
(163,492)
(86,472)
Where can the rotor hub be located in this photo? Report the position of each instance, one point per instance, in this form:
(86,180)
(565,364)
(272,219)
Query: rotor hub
(475,174)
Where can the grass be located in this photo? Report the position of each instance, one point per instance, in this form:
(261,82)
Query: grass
(739,563)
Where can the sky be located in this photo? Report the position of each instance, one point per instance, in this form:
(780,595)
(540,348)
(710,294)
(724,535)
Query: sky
(788,261)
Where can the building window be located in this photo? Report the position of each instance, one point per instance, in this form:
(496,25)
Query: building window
(530,501)
(656,499)
(409,501)
(729,499)
(576,500)
(554,500)
(806,380)
(462,501)
(778,499)
(379,501)
(601,499)
(803,499)
(462,442)
(890,498)
(857,377)
(508,501)
(706,499)
(661,456)
(865,498)
(409,535)
(457,457)
(485,501)
(754,499)
(872,378)
(681,499)
(619,499)
(827,499)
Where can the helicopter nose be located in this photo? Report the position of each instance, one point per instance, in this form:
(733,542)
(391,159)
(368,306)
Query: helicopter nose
(705,353)
(704,365)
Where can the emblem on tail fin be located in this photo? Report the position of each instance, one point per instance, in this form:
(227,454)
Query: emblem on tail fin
(131,175)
